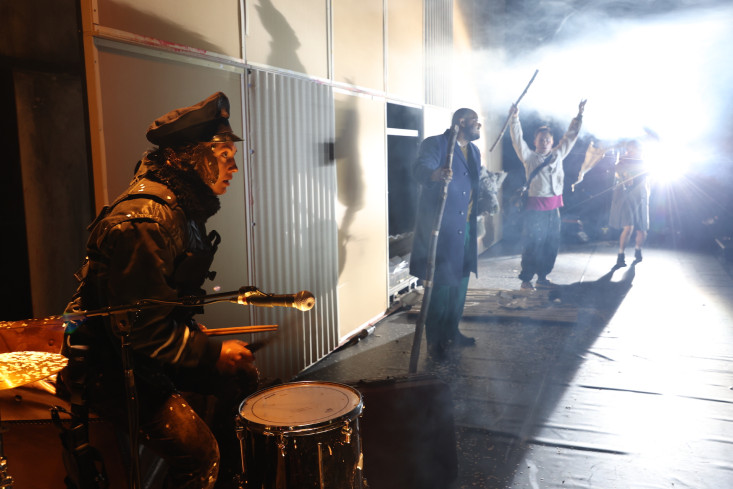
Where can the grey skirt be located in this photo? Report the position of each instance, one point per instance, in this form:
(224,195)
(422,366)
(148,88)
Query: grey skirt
(630,207)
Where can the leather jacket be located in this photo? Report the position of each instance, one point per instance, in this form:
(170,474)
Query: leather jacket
(151,243)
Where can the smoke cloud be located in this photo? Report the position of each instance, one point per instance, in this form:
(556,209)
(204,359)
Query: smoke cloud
(668,71)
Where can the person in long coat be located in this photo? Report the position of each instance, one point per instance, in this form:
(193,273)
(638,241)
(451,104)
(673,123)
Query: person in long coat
(457,247)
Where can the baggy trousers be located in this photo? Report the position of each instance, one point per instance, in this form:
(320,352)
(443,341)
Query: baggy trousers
(541,242)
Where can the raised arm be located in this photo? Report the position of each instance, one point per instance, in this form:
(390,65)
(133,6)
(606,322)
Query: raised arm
(571,135)
(515,131)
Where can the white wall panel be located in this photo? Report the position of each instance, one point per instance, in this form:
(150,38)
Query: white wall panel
(212,25)
(405,60)
(358,43)
(288,34)
(294,230)
(362,210)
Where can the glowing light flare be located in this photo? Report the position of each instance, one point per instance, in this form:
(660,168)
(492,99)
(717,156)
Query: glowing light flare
(670,73)
(666,163)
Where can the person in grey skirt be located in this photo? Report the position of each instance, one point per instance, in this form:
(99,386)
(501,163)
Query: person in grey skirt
(630,203)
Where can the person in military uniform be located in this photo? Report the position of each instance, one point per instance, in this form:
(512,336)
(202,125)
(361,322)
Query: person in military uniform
(152,243)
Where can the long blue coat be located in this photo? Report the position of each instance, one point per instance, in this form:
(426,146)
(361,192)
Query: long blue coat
(451,263)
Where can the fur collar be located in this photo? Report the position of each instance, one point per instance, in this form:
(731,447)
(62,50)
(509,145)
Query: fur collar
(196,198)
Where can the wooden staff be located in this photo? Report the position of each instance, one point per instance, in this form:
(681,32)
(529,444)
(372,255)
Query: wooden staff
(238,329)
(428,285)
(506,123)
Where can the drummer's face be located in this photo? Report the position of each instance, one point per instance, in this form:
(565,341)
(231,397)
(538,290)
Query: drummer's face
(224,154)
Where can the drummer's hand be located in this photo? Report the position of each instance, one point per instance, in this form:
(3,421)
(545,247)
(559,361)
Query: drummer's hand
(234,356)
(514,111)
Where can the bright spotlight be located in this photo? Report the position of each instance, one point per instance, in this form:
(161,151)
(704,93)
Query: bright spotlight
(666,163)
(663,165)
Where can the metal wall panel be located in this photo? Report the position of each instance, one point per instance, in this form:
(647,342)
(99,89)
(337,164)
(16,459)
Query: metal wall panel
(294,232)
(438,52)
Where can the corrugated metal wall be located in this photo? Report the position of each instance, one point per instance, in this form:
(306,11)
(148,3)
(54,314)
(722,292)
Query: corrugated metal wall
(438,52)
(294,235)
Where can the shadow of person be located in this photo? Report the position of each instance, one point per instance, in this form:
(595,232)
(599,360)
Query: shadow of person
(603,295)
(284,42)
(349,171)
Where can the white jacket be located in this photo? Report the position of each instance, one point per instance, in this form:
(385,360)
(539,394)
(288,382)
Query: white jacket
(550,180)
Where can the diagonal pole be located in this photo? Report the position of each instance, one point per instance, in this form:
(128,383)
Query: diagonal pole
(506,122)
(428,284)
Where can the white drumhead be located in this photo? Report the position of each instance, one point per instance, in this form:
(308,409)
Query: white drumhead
(301,404)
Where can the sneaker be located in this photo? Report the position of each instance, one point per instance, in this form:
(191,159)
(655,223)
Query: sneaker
(621,260)
(543,283)
(526,287)
(463,340)
(637,255)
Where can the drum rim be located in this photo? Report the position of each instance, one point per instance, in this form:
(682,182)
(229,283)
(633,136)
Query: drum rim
(306,428)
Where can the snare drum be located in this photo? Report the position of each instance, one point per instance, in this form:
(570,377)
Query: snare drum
(301,435)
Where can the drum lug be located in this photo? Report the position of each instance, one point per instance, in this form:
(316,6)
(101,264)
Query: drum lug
(281,444)
(346,431)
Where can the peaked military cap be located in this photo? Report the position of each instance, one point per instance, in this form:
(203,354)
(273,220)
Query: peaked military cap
(207,121)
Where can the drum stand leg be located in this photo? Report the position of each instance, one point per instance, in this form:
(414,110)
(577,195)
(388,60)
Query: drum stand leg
(321,475)
(6,482)
(84,464)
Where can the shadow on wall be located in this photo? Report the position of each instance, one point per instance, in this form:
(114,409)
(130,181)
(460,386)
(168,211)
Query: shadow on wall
(349,170)
(284,42)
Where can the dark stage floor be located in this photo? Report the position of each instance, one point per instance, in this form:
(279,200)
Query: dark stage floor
(623,384)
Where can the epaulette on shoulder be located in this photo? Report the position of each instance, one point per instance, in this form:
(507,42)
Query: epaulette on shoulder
(149,189)
(141,189)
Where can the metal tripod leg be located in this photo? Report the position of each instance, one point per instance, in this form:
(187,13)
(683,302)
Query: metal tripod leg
(6,481)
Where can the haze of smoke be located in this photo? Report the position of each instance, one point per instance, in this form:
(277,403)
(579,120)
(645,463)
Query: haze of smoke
(669,73)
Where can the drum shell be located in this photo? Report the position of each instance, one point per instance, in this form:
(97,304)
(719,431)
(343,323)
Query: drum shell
(320,455)
(32,446)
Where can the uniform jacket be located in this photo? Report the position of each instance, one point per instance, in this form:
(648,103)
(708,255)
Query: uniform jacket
(450,268)
(150,243)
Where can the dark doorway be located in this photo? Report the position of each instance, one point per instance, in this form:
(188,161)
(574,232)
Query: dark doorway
(404,133)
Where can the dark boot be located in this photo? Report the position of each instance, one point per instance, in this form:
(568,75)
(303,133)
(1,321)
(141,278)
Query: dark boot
(463,340)
(621,260)
(637,255)
(438,351)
